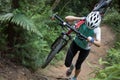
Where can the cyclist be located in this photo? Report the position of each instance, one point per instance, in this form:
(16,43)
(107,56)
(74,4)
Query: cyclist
(91,29)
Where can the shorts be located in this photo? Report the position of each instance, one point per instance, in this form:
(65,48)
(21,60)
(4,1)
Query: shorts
(73,49)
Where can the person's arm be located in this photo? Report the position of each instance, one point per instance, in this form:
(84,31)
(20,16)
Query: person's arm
(97,40)
(97,43)
(73,18)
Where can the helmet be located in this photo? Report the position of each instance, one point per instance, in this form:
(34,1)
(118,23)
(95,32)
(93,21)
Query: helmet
(93,20)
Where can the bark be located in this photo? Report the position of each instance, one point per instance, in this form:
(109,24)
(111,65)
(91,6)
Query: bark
(11,35)
(15,4)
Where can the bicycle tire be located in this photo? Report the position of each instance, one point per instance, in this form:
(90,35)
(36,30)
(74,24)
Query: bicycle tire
(56,42)
(54,51)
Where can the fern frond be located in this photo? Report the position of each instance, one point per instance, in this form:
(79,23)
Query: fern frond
(23,21)
(6,17)
(20,20)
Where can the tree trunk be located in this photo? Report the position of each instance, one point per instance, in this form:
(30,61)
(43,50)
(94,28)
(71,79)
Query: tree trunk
(11,35)
(55,4)
(15,4)
(10,29)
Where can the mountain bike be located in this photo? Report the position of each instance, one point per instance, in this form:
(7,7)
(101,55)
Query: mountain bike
(65,37)
(62,40)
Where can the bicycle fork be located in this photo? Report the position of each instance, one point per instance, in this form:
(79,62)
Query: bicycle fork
(60,42)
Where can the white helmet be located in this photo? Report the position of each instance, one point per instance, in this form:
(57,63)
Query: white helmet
(93,20)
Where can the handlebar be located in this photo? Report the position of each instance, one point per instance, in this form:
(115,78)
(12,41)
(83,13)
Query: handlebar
(69,26)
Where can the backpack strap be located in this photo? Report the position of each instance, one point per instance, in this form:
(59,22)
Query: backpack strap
(77,25)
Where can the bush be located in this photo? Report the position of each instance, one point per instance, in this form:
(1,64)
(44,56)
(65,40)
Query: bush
(3,38)
(109,73)
(113,56)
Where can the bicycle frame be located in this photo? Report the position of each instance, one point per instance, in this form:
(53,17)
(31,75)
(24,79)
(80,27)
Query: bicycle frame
(72,29)
(67,34)
(63,37)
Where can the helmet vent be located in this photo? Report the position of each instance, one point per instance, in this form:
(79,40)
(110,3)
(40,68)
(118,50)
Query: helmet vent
(95,18)
(91,18)
(88,24)
(94,14)
(92,27)
(91,24)
(96,21)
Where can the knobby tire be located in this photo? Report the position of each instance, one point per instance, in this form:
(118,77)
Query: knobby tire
(58,44)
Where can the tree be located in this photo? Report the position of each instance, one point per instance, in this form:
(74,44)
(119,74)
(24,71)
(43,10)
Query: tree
(55,4)
(16,19)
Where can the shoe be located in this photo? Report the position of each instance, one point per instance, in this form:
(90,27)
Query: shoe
(73,78)
(69,71)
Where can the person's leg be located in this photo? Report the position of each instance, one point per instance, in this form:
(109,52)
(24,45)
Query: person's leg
(77,73)
(70,54)
(69,57)
(82,56)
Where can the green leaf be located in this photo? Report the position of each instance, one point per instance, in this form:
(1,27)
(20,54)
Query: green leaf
(101,62)
(20,20)
(6,17)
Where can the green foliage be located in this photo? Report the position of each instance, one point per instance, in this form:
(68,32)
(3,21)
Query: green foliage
(75,7)
(102,62)
(35,49)
(112,18)
(30,48)
(31,8)
(32,52)
(112,68)
(113,56)
(6,18)
(109,73)
(19,20)
(50,31)
(5,6)
(3,38)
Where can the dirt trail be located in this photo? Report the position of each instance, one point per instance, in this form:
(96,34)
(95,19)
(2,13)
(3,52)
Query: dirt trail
(90,63)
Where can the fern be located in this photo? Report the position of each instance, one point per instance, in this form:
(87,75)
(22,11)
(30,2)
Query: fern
(20,20)
(6,18)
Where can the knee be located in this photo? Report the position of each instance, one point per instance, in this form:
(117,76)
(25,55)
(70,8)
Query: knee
(67,63)
(78,67)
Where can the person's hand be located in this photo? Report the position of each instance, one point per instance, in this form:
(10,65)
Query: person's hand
(90,39)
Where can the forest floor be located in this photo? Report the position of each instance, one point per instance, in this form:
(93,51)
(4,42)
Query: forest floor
(10,71)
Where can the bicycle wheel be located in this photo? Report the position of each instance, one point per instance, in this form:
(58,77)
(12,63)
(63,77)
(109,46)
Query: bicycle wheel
(58,45)
(56,42)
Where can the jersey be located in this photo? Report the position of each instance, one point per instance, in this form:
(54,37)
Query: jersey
(83,29)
